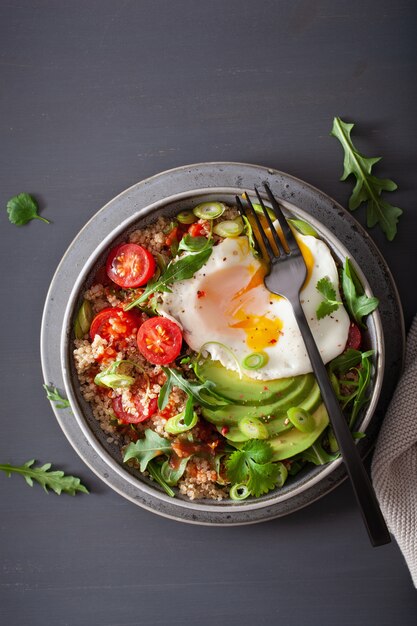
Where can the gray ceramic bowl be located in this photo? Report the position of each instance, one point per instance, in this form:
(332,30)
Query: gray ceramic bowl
(167,194)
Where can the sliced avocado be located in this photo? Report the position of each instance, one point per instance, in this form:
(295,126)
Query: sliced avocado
(293,441)
(243,390)
(231,414)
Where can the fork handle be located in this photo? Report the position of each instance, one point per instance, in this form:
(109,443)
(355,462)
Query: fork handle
(365,495)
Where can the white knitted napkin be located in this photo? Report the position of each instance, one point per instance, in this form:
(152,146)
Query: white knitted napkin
(394,466)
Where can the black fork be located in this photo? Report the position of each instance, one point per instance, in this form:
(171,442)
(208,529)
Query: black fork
(286,277)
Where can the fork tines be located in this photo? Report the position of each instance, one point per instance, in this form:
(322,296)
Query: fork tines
(290,246)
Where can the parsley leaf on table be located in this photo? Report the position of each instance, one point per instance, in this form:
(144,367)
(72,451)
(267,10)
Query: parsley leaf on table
(329,303)
(22,209)
(144,450)
(252,465)
(368,188)
(357,302)
(55,480)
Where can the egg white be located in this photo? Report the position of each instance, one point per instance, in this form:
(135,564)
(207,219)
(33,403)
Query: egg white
(226,301)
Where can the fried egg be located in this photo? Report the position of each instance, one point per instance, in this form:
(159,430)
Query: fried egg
(227,303)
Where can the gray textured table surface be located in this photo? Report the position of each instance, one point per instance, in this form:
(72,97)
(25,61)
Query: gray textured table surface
(95,96)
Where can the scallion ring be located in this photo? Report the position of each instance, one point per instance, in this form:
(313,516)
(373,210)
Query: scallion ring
(186,217)
(224,347)
(253,428)
(255,360)
(209,210)
(175,425)
(239,492)
(229,228)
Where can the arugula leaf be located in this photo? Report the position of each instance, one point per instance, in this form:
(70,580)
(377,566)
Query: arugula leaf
(317,454)
(55,480)
(329,303)
(193,244)
(53,395)
(364,373)
(180,269)
(171,475)
(251,465)
(368,188)
(22,209)
(345,361)
(155,470)
(358,304)
(201,392)
(248,230)
(146,449)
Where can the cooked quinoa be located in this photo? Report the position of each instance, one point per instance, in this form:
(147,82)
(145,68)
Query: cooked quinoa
(200,479)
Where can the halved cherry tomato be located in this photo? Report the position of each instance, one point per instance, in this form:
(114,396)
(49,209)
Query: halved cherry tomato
(197,230)
(354,339)
(114,323)
(159,340)
(130,265)
(129,418)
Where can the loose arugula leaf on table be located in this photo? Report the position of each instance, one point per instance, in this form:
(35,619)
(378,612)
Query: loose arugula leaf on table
(22,209)
(202,393)
(368,188)
(53,395)
(144,450)
(178,269)
(252,466)
(55,480)
(357,302)
(329,302)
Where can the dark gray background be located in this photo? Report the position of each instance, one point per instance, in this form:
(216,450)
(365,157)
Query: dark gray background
(95,96)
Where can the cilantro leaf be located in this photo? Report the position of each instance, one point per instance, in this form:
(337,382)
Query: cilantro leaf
(53,395)
(22,209)
(55,480)
(146,449)
(357,302)
(251,465)
(329,303)
(368,188)
(180,269)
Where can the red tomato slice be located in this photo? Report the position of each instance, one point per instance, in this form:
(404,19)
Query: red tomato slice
(197,230)
(130,265)
(159,340)
(129,418)
(354,339)
(114,323)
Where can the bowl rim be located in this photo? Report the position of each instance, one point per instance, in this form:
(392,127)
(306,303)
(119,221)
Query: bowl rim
(65,339)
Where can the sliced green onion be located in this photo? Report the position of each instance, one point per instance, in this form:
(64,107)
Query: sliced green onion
(239,492)
(224,347)
(171,475)
(113,381)
(209,210)
(83,320)
(301,419)
(176,425)
(186,217)
(258,209)
(303,227)
(255,361)
(229,228)
(253,428)
(282,474)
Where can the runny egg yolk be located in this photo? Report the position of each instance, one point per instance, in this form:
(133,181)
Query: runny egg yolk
(261,331)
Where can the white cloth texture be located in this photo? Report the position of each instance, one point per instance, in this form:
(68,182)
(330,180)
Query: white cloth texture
(394,466)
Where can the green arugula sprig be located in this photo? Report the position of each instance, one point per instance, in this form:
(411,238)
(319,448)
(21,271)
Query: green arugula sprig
(53,395)
(252,466)
(358,304)
(146,449)
(201,393)
(22,209)
(368,188)
(179,269)
(55,480)
(329,303)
